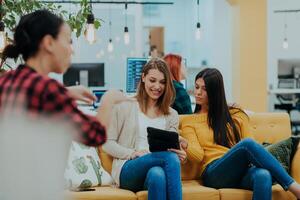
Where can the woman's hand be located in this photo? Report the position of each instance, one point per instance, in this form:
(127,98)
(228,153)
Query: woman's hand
(138,154)
(81,93)
(183,143)
(180,153)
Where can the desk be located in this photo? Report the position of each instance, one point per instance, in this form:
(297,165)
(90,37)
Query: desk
(284,91)
(89,110)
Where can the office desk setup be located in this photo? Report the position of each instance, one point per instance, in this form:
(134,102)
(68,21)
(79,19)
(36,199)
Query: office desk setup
(289,100)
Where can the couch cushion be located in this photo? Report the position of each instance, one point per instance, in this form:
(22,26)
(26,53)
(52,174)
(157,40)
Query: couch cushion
(295,172)
(106,160)
(190,171)
(284,151)
(190,190)
(84,168)
(102,193)
(238,194)
(270,127)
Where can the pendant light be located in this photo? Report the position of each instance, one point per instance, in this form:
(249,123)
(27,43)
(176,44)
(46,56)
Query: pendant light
(110,46)
(285,43)
(2,37)
(198,25)
(90,32)
(126,31)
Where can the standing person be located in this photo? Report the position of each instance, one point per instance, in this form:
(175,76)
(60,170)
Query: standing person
(134,168)
(44,41)
(218,137)
(182,103)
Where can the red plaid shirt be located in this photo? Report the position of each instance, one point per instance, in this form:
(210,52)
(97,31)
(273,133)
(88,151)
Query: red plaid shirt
(41,95)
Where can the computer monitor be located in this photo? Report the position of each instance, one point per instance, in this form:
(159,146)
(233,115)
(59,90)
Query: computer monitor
(87,74)
(134,72)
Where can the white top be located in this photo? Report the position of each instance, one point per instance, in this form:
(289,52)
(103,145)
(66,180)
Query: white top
(123,132)
(142,141)
(144,122)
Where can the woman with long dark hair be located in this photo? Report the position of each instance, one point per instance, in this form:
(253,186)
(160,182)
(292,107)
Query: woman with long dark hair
(220,140)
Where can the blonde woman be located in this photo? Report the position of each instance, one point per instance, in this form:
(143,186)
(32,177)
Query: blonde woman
(134,167)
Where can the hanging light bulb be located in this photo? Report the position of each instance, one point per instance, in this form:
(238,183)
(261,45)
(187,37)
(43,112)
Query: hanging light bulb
(198,25)
(198,31)
(285,44)
(126,32)
(2,37)
(126,36)
(90,33)
(110,46)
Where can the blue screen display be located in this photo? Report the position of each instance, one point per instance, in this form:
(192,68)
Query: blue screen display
(134,72)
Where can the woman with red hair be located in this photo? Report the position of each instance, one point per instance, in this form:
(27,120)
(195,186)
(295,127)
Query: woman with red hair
(182,101)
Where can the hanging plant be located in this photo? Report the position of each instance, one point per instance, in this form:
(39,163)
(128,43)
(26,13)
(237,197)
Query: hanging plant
(11,10)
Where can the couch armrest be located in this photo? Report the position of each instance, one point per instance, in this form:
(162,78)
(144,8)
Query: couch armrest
(295,168)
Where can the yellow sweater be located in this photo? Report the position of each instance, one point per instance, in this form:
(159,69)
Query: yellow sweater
(201,145)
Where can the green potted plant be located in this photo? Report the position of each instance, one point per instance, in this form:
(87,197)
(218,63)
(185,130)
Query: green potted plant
(11,10)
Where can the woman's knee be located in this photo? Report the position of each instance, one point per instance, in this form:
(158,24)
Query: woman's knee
(172,158)
(263,175)
(248,143)
(156,175)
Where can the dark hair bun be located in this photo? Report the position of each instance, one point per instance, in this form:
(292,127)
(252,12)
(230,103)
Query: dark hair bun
(30,31)
(22,40)
(10,51)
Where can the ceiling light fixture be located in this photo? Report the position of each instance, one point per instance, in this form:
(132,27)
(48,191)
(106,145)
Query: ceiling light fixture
(126,31)
(285,43)
(90,32)
(198,25)
(110,46)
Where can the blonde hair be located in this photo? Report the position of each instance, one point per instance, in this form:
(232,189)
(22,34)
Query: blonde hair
(168,96)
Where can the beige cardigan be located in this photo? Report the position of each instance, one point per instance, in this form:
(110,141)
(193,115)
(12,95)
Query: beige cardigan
(123,131)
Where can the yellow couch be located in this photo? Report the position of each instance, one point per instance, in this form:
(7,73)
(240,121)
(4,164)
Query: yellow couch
(266,127)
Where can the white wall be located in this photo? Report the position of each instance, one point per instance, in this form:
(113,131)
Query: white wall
(276,36)
(222,44)
(179,21)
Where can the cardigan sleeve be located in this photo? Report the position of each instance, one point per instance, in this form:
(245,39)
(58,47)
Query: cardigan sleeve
(112,146)
(173,120)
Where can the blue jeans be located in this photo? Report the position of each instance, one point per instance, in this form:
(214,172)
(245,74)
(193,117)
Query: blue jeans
(159,172)
(247,165)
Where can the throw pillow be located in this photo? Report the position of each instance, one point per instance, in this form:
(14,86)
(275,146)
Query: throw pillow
(84,168)
(284,151)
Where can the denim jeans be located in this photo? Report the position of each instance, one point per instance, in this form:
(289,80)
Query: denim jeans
(159,172)
(247,165)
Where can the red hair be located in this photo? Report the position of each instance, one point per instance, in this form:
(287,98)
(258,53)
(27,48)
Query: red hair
(174,64)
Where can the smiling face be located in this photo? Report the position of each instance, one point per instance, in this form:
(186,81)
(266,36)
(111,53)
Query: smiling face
(154,82)
(200,93)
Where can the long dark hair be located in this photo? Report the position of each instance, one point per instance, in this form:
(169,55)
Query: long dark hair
(219,118)
(30,31)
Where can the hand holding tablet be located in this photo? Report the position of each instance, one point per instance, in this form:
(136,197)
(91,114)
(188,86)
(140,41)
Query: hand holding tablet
(162,140)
